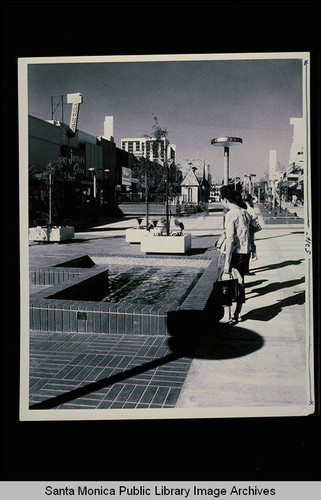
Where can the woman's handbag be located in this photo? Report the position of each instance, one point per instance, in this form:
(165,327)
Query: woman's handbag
(255,226)
(229,290)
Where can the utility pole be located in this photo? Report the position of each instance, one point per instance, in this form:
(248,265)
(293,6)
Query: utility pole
(168,164)
(53,110)
(146,195)
(49,196)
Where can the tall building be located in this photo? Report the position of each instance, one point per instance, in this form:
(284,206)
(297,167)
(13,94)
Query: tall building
(272,164)
(297,146)
(294,178)
(151,148)
(109,128)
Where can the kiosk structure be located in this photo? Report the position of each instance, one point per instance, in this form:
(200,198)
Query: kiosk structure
(226,142)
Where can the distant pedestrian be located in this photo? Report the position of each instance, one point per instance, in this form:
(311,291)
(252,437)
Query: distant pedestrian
(250,208)
(235,252)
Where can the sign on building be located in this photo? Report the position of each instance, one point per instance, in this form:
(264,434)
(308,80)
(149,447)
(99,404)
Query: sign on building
(126,176)
(75,161)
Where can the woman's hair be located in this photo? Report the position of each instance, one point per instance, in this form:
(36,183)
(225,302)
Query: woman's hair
(228,193)
(249,199)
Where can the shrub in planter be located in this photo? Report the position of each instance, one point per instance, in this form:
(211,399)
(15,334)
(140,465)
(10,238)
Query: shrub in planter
(47,193)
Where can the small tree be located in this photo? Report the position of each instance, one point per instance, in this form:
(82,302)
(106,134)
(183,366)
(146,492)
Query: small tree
(157,179)
(46,193)
(158,132)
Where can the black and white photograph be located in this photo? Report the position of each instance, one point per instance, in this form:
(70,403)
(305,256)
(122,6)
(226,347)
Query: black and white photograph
(160,236)
(166,242)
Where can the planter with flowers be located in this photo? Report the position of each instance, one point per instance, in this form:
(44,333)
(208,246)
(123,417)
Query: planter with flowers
(159,240)
(136,234)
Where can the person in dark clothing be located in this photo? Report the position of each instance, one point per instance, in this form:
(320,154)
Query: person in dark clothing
(235,253)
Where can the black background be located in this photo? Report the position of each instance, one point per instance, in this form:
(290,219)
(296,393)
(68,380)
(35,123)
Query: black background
(248,449)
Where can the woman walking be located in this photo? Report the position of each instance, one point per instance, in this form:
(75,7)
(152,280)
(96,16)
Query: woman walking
(250,208)
(238,243)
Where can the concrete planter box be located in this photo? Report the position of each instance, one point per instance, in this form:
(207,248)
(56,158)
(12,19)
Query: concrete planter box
(51,234)
(135,235)
(166,244)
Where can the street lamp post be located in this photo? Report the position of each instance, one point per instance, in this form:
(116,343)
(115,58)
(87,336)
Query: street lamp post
(105,183)
(94,170)
(274,182)
(50,170)
(226,142)
(146,197)
(167,163)
(49,196)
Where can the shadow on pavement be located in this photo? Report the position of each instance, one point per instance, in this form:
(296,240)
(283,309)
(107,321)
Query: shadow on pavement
(198,335)
(254,283)
(101,384)
(278,265)
(278,235)
(273,287)
(269,312)
(196,251)
(187,329)
(103,229)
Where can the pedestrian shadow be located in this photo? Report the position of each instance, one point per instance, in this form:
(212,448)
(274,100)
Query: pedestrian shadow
(273,287)
(199,335)
(254,283)
(92,387)
(257,238)
(269,312)
(278,265)
(193,334)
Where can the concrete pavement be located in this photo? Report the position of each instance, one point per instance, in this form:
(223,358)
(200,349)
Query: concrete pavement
(258,363)
(271,370)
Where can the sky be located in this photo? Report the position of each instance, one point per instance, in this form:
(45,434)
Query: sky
(194,100)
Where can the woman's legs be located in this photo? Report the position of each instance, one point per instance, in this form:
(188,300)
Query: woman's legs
(254,254)
(237,311)
(220,268)
(240,262)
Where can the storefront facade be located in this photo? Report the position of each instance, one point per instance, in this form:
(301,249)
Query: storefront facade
(92,166)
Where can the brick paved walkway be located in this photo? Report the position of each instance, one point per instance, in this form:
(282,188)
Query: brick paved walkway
(70,371)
